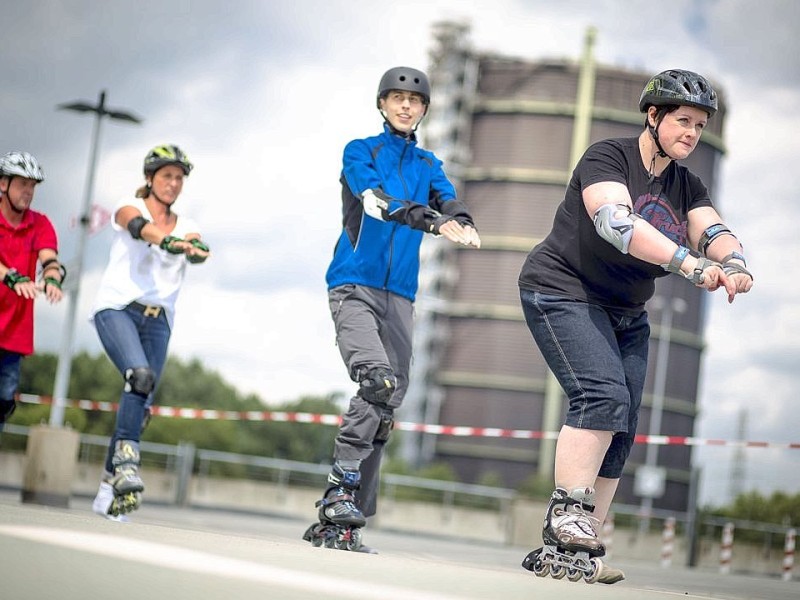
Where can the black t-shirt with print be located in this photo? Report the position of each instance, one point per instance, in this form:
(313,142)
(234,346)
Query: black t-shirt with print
(573,261)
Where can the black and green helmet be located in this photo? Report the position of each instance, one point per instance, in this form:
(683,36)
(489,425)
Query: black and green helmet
(166,154)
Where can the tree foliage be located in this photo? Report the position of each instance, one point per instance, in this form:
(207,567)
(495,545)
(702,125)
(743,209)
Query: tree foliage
(183,384)
(780,509)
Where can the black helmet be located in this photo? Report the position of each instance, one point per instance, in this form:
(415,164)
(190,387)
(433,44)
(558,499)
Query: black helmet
(166,154)
(680,87)
(405,79)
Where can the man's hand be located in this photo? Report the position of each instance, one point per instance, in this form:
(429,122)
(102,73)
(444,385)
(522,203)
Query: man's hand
(20,284)
(461,234)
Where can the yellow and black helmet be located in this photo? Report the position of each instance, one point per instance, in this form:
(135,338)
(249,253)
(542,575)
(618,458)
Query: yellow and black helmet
(166,154)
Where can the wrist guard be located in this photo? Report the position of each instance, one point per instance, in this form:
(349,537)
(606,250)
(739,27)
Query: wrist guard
(435,220)
(194,258)
(674,265)
(696,276)
(734,255)
(51,281)
(168,244)
(13,277)
(732,269)
(51,264)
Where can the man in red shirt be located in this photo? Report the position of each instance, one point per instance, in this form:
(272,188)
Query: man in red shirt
(26,238)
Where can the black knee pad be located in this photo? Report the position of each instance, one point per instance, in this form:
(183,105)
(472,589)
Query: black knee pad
(376,385)
(140,380)
(7,408)
(385,426)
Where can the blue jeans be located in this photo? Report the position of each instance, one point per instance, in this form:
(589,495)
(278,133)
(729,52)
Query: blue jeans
(132,340)
(599,357)
(10,363)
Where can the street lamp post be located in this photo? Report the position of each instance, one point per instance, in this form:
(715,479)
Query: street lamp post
(61,386)
(668,307)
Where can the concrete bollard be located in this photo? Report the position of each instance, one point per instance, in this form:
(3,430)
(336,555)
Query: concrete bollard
(788,555)
(668,542)
(726,549)
(52,454)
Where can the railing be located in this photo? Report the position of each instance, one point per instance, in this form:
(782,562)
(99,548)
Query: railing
(758,545)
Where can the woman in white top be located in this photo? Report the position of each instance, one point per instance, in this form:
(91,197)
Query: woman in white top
(135,308)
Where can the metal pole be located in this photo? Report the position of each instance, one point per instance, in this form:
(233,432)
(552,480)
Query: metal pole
(61,385)
(60,388)
(668,307)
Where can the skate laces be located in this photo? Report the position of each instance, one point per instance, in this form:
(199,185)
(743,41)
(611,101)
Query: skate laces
(576,521)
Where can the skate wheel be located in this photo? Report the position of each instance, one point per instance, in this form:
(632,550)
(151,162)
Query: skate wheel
(597,568)
(557,571)
(354,543)
(540,569)
(574,574)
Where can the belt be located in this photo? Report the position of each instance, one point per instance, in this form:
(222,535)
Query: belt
(148,310)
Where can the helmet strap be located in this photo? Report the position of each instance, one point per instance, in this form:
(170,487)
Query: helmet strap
(654,134)
(161,202)
(7,194)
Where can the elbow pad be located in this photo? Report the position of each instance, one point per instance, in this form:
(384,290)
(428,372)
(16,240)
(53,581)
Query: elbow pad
(374,205)
(135,226)
(617,231)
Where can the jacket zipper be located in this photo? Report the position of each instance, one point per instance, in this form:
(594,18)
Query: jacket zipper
(395,225)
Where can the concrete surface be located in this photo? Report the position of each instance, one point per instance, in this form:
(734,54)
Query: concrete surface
(198,554)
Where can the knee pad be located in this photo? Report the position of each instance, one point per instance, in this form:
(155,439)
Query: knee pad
(7,408)
(376,385)
(140,380)
(385,426)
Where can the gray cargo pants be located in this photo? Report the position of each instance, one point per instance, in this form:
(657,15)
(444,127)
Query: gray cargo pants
(373,329)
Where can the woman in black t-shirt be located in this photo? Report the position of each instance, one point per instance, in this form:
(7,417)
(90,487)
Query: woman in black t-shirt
(630,214)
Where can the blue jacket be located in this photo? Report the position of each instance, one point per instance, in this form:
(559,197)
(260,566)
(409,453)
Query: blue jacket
(385,254)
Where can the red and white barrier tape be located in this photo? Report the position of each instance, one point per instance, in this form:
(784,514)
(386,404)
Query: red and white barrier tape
(452,430)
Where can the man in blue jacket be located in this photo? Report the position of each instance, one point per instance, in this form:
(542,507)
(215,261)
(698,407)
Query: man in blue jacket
(393,191)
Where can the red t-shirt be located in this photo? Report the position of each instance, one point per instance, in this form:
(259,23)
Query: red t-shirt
(19,248)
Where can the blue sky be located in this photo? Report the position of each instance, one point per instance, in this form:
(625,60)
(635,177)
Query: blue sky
(264,95)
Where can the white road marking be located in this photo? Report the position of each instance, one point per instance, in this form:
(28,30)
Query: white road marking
(183,559)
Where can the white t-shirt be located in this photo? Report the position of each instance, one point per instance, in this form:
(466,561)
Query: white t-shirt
(142,272)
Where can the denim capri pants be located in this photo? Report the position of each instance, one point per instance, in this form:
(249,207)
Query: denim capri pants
(599,357)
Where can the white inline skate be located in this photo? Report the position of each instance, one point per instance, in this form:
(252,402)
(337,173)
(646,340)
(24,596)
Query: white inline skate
(571,546)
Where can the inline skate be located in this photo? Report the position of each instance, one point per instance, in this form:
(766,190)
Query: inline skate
(571,546)
(340,520)
(125,481)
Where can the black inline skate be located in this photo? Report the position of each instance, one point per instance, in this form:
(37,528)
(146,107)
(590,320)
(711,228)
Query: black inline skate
(571,546)
(340,520)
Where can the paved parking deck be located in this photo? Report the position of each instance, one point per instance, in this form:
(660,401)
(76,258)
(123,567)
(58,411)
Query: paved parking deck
(174,553)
